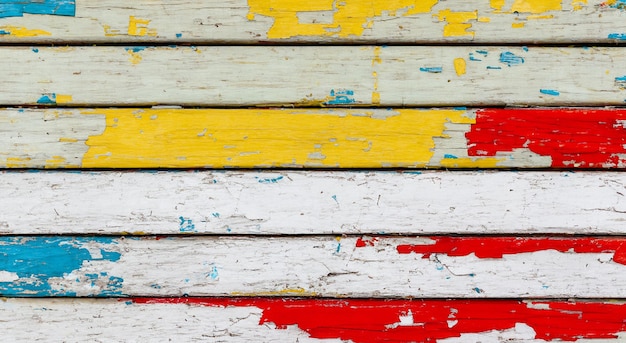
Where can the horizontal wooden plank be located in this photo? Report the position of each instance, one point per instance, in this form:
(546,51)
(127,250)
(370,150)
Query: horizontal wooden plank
(440,266)
(326,76)
(315,320)
(258,138)
(301,202)
(240,21)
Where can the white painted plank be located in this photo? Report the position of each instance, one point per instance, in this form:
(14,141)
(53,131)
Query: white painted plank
(307,202)
(326,266)
(266,320)
(241,21)
(326,75)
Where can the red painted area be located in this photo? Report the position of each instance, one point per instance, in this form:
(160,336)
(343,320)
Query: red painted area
(377,320)
(496,247)
(362,242)
(571,137)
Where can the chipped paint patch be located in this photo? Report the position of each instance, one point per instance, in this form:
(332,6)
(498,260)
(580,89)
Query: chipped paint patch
(349,17)
(17,8)
(19,31)
(46,265)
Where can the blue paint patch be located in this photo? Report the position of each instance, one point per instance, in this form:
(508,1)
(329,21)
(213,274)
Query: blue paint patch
(338,248)
(619,36)
(155,286)
(2,32)
(186,225)
(550,92)
(450,156)
(412,172)
(135,48)
(17,8)
(434,70)
(271,180)
(47,99)
(460,108)
(510,59)
(478,290)
(482,52)
(525,48)
(473,58)
(178,35)
(335,198)
(620,82)
(35,50)
(341,97)
(493,67)
(214,274)
(215,215)
(39,261)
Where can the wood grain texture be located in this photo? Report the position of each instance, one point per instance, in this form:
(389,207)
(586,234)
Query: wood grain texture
(323,266)
(326,76)
(244,22)
(312,202)
(301,320)
(323,138)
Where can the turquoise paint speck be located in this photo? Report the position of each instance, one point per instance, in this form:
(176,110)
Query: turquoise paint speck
(511,59)
(178,35)
(434,70)
(214,273)
(450,156)
(271,180)
(135,48)
(35,50)
(47,99)
(550,92)
(618,36)
(492,67)
(186,225)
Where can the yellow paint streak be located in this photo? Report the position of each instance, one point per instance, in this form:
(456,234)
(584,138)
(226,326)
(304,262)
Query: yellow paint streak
(18,31)
(56,162)
(538,17)
(139,27)
(536,6)
(487,162)
(484,19)
(288,291)
(63,99)
(457,22)
(459,66)
(349,17)
(497,4)
(18,162)
(578,5)
(68,140)
(376,60)
(267,138)
(518,25)
(135,57)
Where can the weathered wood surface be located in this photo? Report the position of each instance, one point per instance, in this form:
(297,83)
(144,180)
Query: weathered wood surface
(312,202)
(352,21)
(326,76)
(323,266)
(300,320)
(323,138)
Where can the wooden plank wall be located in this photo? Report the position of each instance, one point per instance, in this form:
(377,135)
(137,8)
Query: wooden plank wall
(304,171)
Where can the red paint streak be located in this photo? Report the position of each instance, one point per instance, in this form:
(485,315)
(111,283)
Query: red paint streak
(496,247)
(373,320)
(571,137)
(365,242)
